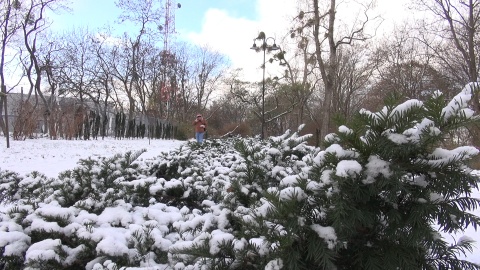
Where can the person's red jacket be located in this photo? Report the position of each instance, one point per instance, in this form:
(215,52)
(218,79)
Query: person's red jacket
(200,124)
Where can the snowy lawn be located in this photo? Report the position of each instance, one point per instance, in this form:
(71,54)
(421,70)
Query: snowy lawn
(50,157)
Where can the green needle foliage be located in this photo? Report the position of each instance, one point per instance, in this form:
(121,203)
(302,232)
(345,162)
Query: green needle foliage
(382,194)
(390,187)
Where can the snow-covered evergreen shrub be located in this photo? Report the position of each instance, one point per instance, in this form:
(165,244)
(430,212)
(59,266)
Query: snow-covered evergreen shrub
(375,198)
(9,185)
(391,187)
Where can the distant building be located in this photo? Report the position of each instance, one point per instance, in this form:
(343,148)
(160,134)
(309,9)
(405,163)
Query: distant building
(69,113)
(37,109)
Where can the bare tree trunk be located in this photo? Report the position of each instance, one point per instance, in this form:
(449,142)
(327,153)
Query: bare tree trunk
(328,70)
(5,128)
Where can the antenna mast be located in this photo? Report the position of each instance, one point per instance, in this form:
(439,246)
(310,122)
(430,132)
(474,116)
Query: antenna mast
(167,87)
(169,27)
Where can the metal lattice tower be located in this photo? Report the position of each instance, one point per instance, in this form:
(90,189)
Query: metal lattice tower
(167,87)
(169,27)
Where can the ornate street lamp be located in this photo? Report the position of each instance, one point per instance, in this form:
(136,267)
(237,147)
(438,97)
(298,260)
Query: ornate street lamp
(264,46)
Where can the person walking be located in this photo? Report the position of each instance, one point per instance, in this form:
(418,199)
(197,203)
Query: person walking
(200,127)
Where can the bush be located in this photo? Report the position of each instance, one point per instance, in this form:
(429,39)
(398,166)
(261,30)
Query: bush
(377,197)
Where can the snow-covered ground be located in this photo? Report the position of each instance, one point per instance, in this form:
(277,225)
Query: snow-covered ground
(50,157)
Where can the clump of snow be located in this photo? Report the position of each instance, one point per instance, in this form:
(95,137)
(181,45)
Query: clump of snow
(262,246)
(348,168)
(44,250)
(276,264)
(442,156)
(292,193)
(334,149)
(326,233)
(14,242)
(376,167)
(459,104)
(217,239)
(345,129)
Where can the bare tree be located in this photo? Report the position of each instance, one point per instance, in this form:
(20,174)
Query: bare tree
(321,25)
(297,74)
(405,67)
(355,75)
(147,76)
(9,26)
(104,78)
(123,75)
(146,15)
(186,94)
(33,27)
(208,67)
(457,26)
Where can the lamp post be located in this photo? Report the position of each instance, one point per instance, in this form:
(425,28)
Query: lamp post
(264,46)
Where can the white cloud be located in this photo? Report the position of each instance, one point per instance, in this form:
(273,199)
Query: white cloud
(234,36)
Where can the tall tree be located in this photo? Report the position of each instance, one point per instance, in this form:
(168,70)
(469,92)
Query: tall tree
(297,74)
(104,78)
(77,71)
(145,15)
(455,25)
(320,22)
(452,31)
(208,67)
(34,25)
(9,26)
(185,90)
(405,66)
